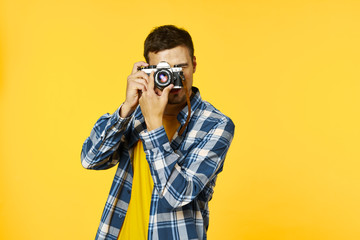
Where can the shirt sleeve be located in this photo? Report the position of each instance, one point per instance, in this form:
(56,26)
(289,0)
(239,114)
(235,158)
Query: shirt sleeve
(105,138)
(176,184)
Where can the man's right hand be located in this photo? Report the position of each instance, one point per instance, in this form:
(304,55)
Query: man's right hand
(136,82)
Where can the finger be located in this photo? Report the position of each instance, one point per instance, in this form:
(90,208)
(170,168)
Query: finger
(139,86)
(141,81)
(151,81)
(138,64)
(140,74)
(166,91)
(158,91)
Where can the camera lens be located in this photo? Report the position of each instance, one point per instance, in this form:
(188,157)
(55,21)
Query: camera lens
(162,78)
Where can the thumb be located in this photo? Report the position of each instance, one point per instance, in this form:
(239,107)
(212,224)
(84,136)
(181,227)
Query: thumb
(166,91)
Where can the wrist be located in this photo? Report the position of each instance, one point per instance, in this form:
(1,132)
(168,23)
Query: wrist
(154,124)
(125,110)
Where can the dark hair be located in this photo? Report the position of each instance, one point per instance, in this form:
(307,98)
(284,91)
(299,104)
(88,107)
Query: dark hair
(167,37)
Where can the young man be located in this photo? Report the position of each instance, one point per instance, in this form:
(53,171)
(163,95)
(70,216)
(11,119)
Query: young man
(167,163)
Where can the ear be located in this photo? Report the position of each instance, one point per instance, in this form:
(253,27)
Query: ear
(194,64)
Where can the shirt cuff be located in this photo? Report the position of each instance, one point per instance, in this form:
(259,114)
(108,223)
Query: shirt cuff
(118,122)
(154,138)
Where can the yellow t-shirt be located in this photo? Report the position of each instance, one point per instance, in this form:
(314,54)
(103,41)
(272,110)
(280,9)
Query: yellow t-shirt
(136,221)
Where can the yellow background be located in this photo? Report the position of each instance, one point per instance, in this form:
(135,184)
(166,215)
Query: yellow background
(286,72)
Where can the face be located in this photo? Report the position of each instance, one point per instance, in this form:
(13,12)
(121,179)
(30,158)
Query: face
(175,56)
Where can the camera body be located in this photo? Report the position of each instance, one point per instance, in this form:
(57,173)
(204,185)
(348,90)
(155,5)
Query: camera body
(165,75)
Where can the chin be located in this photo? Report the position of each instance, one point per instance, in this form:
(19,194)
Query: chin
(177,99)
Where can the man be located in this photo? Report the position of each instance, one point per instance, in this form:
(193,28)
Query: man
(167,163)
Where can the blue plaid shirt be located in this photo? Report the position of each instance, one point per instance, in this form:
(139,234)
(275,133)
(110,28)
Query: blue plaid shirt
(184,169)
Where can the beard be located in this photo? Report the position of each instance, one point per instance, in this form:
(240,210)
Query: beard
(177,99)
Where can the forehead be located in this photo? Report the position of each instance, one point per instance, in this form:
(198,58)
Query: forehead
(173,56)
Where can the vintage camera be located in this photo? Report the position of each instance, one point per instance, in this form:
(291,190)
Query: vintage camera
(165,75)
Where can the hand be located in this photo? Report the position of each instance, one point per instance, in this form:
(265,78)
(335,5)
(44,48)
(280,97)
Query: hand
(136,82)
(153,103)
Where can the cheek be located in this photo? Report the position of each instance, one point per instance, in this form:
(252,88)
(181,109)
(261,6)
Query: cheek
(188,76)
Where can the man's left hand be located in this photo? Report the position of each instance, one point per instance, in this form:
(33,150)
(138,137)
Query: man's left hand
(153,102)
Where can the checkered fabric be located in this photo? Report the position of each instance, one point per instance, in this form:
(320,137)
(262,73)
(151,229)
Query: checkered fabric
(184,169)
